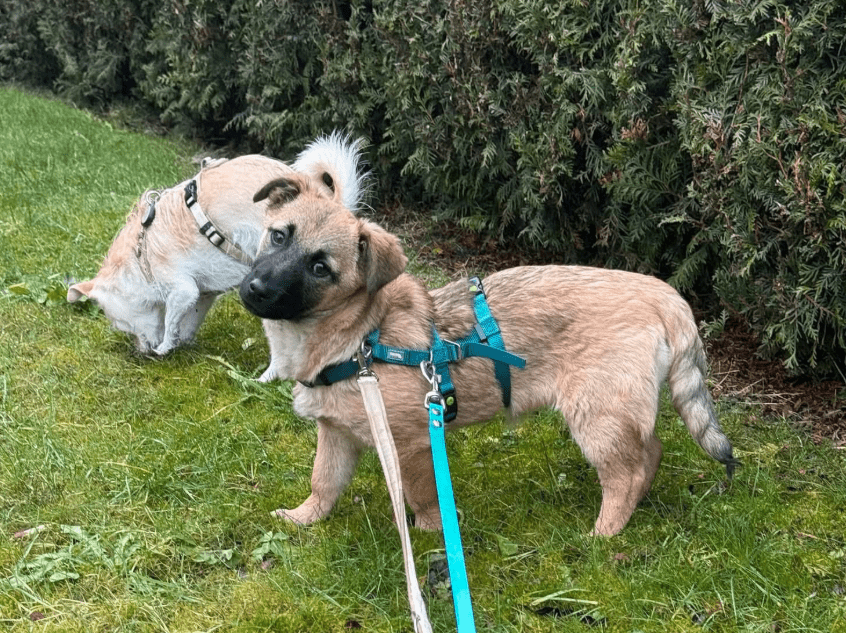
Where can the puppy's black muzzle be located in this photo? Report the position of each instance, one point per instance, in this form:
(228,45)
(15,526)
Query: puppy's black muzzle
(272,290)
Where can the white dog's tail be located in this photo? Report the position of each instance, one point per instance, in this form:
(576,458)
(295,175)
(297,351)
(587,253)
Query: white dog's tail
(334,159)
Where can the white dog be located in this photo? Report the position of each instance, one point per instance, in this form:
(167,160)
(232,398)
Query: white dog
(184,246)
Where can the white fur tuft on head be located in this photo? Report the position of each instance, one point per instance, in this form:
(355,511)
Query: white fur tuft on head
(340,157)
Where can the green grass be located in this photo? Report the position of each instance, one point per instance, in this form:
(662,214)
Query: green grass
(154,479)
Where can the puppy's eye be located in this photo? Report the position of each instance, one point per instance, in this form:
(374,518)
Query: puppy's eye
(320,269)
(278,237)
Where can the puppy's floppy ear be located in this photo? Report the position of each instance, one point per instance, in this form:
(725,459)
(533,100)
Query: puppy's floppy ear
(278,191)
(380,255)
(77,291)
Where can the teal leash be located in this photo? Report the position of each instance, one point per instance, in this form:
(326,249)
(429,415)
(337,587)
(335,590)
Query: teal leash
(449,518)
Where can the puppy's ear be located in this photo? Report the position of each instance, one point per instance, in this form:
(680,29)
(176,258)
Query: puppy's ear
(77,291)
(380,255)
(279,192)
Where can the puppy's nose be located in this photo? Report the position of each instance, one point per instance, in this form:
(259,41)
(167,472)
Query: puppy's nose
(258,288)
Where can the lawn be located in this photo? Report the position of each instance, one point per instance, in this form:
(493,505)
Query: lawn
(135,493)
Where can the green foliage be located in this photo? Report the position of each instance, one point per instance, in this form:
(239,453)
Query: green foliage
(768,144)
(83,48)
(700,141)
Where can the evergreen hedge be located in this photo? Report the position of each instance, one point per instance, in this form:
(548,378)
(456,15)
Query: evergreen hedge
(699,140)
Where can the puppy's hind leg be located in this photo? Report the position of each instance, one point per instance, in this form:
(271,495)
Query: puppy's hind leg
(652,459)
(334,465)
(626,464)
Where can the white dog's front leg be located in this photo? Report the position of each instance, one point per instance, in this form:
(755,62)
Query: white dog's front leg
(181,298)
(285,350)
(268,374)
(273,370)
(334,465)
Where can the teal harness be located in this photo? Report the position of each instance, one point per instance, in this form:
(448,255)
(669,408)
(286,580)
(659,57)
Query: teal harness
(484,340)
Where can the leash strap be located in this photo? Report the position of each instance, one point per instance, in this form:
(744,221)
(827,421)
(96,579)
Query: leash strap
(368,383)
(208,229)
(449,519)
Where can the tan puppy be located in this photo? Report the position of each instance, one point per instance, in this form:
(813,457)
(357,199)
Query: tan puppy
(598,345)
(161,274)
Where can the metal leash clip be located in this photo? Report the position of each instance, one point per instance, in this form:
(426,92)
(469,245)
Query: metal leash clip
(364,357)
(433,378)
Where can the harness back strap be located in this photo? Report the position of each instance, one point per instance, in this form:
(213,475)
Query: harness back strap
(208,229)
(489,334)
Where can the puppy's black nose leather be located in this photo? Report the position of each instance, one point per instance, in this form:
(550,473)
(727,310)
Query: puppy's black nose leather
(258,288)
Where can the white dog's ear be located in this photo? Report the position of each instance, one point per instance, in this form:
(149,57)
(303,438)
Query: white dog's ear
(380,255)
(279,191)
(77,291)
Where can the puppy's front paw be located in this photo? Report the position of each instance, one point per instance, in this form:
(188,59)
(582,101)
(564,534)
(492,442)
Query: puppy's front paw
(299,515)
(430,521)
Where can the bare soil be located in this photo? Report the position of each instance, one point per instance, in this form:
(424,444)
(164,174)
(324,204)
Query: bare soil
(738,371)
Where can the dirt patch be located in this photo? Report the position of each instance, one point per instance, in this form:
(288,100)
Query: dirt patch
(740,373)
(737,370)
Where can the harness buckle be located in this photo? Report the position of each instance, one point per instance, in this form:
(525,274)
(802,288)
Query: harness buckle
(450,405)
(457,346)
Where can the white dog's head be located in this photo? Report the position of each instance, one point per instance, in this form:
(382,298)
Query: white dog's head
(120,290)
(133,313)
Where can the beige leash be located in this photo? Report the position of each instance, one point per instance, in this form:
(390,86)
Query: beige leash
(368,383)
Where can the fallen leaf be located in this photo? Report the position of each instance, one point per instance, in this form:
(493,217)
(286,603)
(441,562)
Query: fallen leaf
(506,547)
(29,532)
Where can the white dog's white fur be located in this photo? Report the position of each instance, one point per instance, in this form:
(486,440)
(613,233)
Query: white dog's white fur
(157,283)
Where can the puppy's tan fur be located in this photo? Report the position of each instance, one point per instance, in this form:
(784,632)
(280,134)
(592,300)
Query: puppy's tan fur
(598,344)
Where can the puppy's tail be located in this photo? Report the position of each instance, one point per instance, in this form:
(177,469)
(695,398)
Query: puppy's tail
(335,160)
(694,404)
